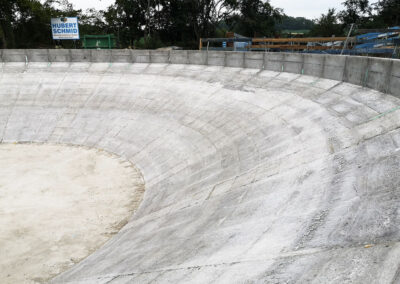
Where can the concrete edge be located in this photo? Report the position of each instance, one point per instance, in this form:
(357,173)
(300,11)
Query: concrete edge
(376,73)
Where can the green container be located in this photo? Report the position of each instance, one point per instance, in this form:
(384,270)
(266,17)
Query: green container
(99,41)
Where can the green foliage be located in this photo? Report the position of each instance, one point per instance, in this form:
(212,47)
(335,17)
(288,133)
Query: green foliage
(26,23)
(327,25)
(295,24)
(148,42)
(362,13)
(357,12)
(387,13)
(255,18)
(220,32)
(152,24)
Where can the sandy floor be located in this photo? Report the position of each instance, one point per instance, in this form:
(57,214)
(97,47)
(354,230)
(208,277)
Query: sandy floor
(57,205)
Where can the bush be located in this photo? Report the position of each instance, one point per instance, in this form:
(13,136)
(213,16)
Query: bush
(148,42)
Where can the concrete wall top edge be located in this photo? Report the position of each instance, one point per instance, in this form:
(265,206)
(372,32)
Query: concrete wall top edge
(254,55)
(352,69)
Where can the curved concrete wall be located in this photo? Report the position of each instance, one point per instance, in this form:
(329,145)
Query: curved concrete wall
(252,176)
(376,73)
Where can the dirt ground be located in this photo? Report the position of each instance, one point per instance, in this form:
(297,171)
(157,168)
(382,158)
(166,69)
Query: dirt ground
(58,204)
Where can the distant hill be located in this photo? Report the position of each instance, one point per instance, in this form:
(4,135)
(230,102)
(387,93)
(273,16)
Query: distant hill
(294,24)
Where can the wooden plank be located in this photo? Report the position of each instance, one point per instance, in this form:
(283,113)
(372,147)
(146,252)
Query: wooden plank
(226,39)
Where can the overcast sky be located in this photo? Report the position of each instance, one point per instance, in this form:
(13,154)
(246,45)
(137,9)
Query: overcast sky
(306,8)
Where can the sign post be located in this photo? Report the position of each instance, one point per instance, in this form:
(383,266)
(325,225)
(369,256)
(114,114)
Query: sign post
(65,28)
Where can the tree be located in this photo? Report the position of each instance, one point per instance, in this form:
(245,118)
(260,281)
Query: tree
(149,23)
(204,15)
(26,23)
(189,20)
(92,22)
(8,18)
(255,18)
(168,20)
(127,18)
(357,12)
(327,25)
(387,13)
(295,23)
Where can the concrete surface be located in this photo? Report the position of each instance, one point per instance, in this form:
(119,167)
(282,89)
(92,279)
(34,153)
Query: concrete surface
(252,174)
(57,208)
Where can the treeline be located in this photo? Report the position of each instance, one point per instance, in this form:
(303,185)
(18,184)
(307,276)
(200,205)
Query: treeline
(363,13)
(138,23)
(156,23)
(295,23)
